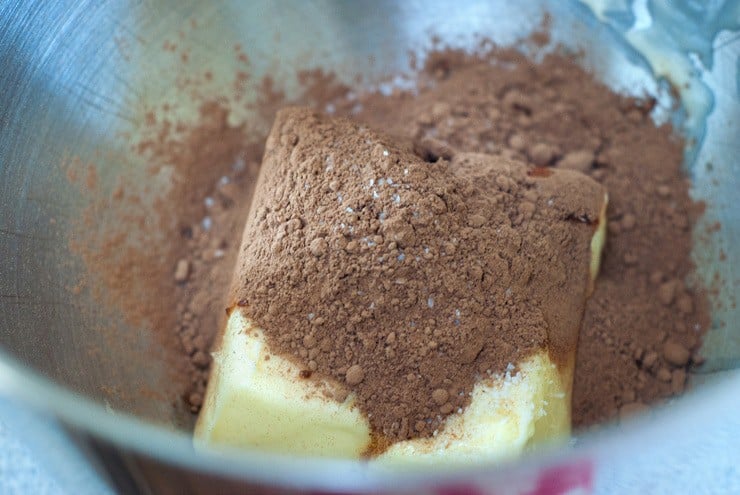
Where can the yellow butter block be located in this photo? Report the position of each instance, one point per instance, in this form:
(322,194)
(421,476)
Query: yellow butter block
(258,400)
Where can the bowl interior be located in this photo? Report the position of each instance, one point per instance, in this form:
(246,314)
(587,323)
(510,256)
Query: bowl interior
(79,75)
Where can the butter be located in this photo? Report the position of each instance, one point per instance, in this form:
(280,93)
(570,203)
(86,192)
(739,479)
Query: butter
(506,414)
(257,400)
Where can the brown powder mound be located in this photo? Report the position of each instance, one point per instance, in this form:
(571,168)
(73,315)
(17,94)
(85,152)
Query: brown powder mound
(554,113)
(402,278)
(644,318)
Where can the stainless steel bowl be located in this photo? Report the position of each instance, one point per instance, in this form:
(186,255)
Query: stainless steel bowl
(69,86)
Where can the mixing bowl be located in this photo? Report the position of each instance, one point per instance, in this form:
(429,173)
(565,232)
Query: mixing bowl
(76,74)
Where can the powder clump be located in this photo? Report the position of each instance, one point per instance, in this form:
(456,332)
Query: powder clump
(470,264)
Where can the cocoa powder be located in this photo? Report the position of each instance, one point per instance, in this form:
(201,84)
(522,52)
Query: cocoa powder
(550,113)
(166,263)
(473,264)
(215,167)
(555,113)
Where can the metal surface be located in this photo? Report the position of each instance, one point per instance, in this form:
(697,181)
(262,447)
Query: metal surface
(74,75)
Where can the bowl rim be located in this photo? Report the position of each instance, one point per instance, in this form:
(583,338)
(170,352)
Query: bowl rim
(128,432)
